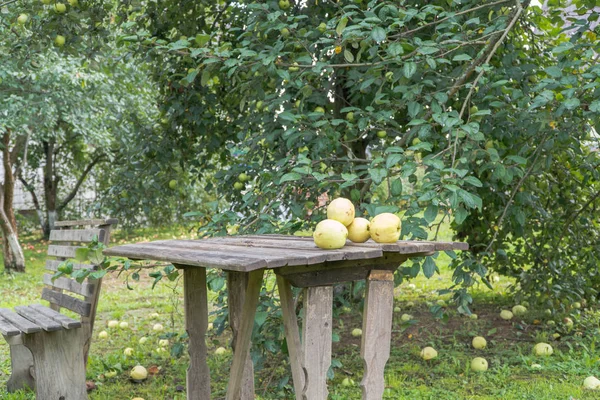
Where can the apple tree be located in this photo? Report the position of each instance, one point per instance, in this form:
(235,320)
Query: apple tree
(476,113)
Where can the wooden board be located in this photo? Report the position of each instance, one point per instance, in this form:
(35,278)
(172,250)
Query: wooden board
(8,329)
(70,303)
(47,324)
(62,251)
(91,222)
(24,325)
(84,289)
(52,265)
(66,322)
(77,235)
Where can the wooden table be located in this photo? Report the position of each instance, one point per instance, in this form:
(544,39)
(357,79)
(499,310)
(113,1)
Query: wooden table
(296,261)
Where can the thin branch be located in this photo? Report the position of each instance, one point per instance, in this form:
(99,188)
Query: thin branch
(439,21)
(80,181)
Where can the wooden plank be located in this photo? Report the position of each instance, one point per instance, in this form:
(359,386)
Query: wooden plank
(84,289)
(330,273)
(24,325)
(196,324)
(47,324)
(8,329)
(52,265)
(62,251)
(244,334)
(21,366)
(77,235)
(66,322)
(377,332)
(237,283)
(70,303)
(317,332)
(59,367)
(91,222)
(292,334)
(207,259)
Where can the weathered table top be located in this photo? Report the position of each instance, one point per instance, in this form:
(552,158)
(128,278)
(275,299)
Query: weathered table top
(253,252)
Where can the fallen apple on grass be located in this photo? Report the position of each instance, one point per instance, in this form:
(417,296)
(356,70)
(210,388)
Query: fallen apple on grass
(103,335)
(143,340)
(163,342)
(158,328)
(124,325)
(220,351)
(519,310)
(428,353)
(479,364)
(138,373)
(112,324)
(128,352)
(357,332)
(543,349)
(479,342)
(506,315)
(591,383)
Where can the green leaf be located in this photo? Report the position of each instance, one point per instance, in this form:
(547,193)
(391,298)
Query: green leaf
(473,181)
(378,34)
(462,57)
(429,267)
(395,49)
(348,55)
(460,215)
(292,176)
(431,213)
(409,69)
(571,104)
(377,174)
(471,200)
(341,26)
(81,254)
(396,187)
(595,106)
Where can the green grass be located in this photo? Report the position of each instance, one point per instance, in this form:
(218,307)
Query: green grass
(510,375)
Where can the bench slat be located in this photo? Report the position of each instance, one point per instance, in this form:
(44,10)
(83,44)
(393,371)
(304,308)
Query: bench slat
(77,235)
(70,303)
(84,289)
(52,265)
(66,322)
(37,318)
(62,251)
(108,221)
(8,329)
(24,325)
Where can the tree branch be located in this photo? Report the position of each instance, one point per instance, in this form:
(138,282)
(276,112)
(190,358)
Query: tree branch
(80,181)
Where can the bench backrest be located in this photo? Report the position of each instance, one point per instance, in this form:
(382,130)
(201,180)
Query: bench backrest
(82,298)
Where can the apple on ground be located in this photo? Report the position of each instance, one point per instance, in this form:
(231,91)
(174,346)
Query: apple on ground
(128,351)
(410,304)
(385,228)
(124,325)
(519,310)
(591,383)
(406,317)
(220,351)
(428,353)
(330,234)
(358,230)
(112,324)
(479,342)
(357,332)
(138,373)
(473,316)
(479,364)
(143,340)
(154,316)
(158,328)
(397,309)
(543,349)
(568,322)
(347,382)
(163,342)
(103,335)
(506,315)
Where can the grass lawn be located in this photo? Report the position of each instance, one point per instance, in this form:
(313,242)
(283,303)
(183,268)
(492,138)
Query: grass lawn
(512,374)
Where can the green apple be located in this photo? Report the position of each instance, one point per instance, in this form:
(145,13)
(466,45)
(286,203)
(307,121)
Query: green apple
(60,8)
(238,186)
(59,41)
(243,177)
(158,328)
(389,76)
(543,349)
(347,382)
(143,340)
(473,316)
(22,19)
(350,116)
(320,110)
(46,2)
(112,324)
(576,305)
(103,335)
(322,27)
(381,134)
(220,351)
(506,315)
(479,342)
(128,352)
(519,310)
(173,184)
(428,353)
(406,317)
(124,325)
(479,364)
(357,332)
(285,32)
(163,342)
(397,309)
(284,4)
(416,141)
(259,105)
(73,3)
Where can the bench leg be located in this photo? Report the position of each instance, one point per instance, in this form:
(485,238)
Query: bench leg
(21,361)
(59,366)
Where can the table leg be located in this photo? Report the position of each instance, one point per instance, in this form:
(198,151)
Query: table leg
(317,332)
(237,283)
(242,345)
(196,323)
(377,332)
(292,334)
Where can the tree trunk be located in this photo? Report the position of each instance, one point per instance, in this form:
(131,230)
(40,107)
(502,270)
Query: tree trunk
(50,188)
(14,260)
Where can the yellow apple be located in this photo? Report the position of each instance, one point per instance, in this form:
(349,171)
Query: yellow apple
(428,353)
(59,40)
(341,210)
(506,315)
(358,230)
(543,349)
(479,364)
(479,342)
(385,228)
(22,19)
(138,373)
(330,234)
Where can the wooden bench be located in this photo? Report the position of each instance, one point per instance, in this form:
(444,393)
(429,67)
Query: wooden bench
(49,350)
